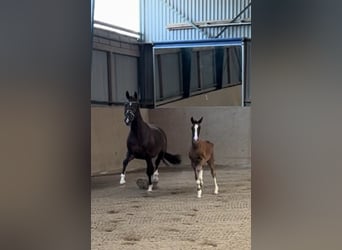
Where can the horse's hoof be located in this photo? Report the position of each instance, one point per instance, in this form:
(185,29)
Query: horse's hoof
(122,179)
(149,188)
(199,194)
(142,183)
(155,179)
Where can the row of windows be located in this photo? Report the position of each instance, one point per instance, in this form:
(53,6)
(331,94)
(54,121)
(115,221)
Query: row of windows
(178,73)
(202,66)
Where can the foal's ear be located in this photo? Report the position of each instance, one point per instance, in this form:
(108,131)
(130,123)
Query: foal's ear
(200,120)
(135,95)
(192,120)
(127,95)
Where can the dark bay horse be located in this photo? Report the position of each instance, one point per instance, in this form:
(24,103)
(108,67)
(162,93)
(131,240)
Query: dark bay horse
(144,142)
(200,154)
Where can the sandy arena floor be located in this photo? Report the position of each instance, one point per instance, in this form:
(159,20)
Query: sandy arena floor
(172,217)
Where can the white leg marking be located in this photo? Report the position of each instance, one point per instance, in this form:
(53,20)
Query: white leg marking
(216,186)
(200,176)
(122,179)
(155,176)
(149,188)
(199,188)
(199,193)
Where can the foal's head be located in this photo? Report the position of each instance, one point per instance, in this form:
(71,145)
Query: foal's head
(196,128)
(131,108)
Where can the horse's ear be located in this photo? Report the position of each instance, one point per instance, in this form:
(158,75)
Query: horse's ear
(200,120)
(192,120)
(135,95)
(127,95)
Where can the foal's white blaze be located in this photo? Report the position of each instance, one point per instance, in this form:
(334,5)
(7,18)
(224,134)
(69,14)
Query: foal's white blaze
(122,179)
(196,132)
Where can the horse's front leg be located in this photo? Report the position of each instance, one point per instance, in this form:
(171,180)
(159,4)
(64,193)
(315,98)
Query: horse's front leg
(199,179)
(149,172)
(125,162)
(213,174)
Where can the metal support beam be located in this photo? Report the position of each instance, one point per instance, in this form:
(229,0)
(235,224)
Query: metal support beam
(234,19)
(209,24)
(243,73)
(180,14)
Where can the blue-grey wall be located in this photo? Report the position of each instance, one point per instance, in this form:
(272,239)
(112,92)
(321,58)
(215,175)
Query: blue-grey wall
(157,14)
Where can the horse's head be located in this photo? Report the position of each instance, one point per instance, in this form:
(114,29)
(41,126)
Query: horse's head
(131,108)
(196,128)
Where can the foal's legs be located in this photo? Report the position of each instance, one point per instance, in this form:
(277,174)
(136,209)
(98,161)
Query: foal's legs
(199,179)
(213,173)
(149,172)
(129,157)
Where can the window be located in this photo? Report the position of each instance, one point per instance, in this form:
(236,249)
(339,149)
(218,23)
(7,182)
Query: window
(99,76)
(231,74)
(202,69)
(124,76)
(168,82)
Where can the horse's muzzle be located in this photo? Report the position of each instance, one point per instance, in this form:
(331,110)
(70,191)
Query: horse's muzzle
(129,117)
(127,121)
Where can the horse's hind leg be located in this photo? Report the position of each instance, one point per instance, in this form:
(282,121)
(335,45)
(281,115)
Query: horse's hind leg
(155,177)
(128,158)
(149,172)
(213,173)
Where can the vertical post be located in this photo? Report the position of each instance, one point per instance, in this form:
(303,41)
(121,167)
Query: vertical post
(186,70)
(219,54)
(198,68)
(243,84)
(110,77)
(154,76)
(145,75)
(160,77)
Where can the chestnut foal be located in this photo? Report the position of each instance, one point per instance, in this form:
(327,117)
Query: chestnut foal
(201,152)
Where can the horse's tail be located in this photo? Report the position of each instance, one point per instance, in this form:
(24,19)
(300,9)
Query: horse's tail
(174,159)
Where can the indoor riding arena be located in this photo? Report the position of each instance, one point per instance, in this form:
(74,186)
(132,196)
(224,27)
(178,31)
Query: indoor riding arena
(179,69)
(171,216)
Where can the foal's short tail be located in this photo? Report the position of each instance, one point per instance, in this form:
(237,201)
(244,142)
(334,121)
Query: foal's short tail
(174,159)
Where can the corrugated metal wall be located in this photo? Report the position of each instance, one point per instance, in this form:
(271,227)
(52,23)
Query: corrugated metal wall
(157,14)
